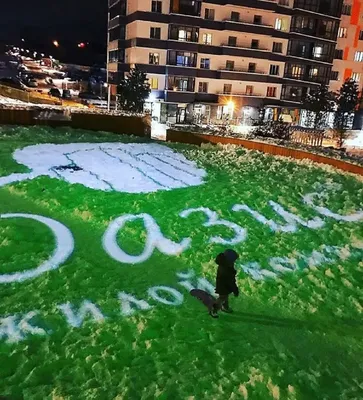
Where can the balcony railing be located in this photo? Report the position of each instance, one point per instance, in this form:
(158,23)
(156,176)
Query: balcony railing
(243,70)
(241,21)
(245,94)
(239,46)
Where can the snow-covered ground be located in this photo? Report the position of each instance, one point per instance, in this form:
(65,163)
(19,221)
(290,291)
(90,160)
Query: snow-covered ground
(356,141)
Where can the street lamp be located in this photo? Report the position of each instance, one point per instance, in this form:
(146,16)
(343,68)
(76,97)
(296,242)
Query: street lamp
(56,43)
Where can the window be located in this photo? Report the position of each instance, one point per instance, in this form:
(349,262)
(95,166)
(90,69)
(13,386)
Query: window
(342,33)
(281,24)
(232,41)
(339,54)
(356,76)
(257,20)
(317,51)
(277,47)
(185,59)
(271,91)
(229,65)
(334,75)
(203,87)
(296,71)
(227,88)
(255,43)
(209,14)
(154,83)
(180,84)
(154,58)
(274,69)
(358,56)
(313,72)
(235,16)
(252,67)
(207,38)
(249,90)
(156,6)
(347,9)
(361,35)
(205,63)
(155,33)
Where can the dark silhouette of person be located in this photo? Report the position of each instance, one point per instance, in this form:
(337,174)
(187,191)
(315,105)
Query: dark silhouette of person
(225,282)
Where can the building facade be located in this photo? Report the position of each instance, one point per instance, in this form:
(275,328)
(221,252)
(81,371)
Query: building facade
(216,60)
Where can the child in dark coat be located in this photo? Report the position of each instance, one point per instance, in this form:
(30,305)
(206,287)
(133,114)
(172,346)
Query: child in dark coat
(226,281)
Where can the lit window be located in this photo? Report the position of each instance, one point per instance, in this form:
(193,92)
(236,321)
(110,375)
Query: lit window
(342,33)
(296,71)
(356,76)
(317,51)
(154,58)
(207,38)
(281,24)
(313,72)
(182,35)
(154,83)
(358,56)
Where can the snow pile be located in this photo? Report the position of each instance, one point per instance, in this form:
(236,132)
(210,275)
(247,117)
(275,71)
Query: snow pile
(131,168)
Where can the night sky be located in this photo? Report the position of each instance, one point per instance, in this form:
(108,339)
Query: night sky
(40,22)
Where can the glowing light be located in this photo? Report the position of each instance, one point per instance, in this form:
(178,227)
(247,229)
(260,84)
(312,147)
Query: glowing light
(81,45)
(56,43)
(230,105)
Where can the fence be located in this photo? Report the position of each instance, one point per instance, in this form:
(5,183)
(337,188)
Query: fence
(311,137)
(126,125)
(198,139)
(28,97)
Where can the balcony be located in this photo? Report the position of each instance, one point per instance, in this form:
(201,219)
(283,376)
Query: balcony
(241,94)
(241,21)
(243,70)
(239,46)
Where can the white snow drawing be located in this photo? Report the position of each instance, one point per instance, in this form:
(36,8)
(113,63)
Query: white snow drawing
(131,168)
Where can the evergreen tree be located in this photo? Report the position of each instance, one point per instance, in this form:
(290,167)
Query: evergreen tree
(347,101)
(318,103)
(134,90)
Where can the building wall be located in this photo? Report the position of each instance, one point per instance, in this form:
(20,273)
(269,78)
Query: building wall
(350,45)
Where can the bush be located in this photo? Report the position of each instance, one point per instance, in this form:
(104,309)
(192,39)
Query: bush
(272,129)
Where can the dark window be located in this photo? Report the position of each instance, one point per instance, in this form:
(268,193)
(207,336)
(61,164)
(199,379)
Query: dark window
(274,69)
(339,54)
(255,43)
(227,88)
(232,41)
(361,35)
(154,58)
(334,75)
(187,7)
(117,33)
(118,9)
(271,91)
(117,56)
(203,87)
(182,58)
(257,19)
(235,16)
(205,63)
(209,14)
(347,9)
(277,47)
(311,50)
(326,7)
(252,67)
(156,6)
(181,84)
(249,90)
(155,33)
(229,65)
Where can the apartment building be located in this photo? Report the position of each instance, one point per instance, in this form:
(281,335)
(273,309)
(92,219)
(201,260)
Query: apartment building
(210,60)
(348,61)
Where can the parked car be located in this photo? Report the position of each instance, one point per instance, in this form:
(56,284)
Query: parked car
(66,94)
(13,82)
(31,83)
(55,93)
(89,96)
